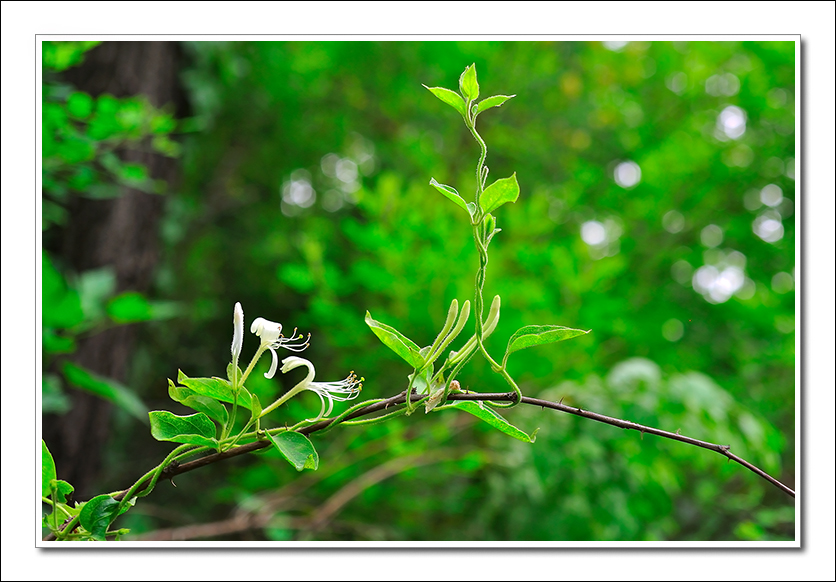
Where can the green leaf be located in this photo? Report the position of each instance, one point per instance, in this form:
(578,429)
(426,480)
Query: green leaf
(60,54)
(107,388)
(49,477)
(216,388)
(451,98)
(256,408)
(209,406)
(453,195)
(468,84)
(196,429)
(47,470)
(297,449)
(129,307)
(494,419)
(61,305)
(97,514)
(495,101)
(502,191)
(407,349)
(535,335)
(490,224)
(53,343)
(64,489)
(80,105)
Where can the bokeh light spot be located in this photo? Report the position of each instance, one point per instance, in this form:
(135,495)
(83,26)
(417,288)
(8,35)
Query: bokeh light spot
(747,290)
(673,330)
(677,82)
(752,199)
(785,323)
(726,84)
(768,226)
(593,233)
(789,166)
(627,174)
(297,192)
(771,195)
(739,156)
(782,283)
(732,122)
(715,285)
(711,236)
(615,45)
(673,221)
(346,170)
(776,98)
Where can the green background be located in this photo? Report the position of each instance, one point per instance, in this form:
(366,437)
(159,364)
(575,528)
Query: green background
(305,196)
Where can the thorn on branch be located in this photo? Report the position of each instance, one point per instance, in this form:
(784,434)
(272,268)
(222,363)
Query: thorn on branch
(167,472)
(677,430)
(561,399)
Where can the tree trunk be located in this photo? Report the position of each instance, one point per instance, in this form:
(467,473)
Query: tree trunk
(120,232)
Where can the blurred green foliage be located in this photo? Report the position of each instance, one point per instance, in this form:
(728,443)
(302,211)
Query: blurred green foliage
(656,208)
(82,138)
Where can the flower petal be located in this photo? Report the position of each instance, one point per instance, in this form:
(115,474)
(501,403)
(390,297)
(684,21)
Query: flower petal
(268,331)
(322,410)
(274,366)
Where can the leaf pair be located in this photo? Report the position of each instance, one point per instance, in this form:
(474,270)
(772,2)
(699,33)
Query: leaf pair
(204,395)
(197,429)
(422,358)
(502,191)
(469,89)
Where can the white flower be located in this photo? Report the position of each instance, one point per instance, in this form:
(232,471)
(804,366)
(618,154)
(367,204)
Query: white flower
(271,336)
(341,391)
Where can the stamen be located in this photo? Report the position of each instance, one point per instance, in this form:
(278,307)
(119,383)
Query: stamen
(284,342)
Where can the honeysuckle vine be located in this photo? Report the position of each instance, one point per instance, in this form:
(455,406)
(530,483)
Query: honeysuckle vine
(486,200)
(215,433)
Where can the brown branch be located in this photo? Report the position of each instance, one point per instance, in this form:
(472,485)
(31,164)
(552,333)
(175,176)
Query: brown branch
(400,399)
(495,397)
